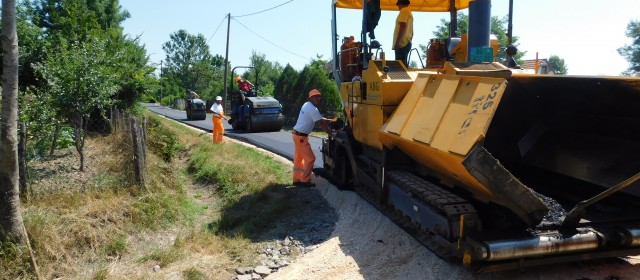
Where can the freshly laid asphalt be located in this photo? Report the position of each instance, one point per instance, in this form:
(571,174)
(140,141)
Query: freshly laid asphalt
(279,142)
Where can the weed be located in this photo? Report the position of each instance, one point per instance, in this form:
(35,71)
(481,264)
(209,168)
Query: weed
(116,246)
(164,257)
(163,141)
(194,274)
(14,261)
(101,274)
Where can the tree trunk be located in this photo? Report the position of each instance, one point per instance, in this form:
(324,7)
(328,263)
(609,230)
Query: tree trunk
(54,142)
(22,159)
(11,225)
(79,136)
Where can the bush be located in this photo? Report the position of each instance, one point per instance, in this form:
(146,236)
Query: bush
(163,141)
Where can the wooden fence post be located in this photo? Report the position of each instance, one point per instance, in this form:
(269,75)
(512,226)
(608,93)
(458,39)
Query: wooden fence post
(22,159)
(138,152)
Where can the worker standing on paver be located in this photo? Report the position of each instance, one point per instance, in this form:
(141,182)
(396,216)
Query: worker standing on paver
(303,157)
(218,115)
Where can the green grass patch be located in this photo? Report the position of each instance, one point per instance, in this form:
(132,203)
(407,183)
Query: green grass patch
(194,274)
(235,169)
(253,213)
(169,255)
(164,257)
(14,261)
(252,186)
(159,210)
(116,246)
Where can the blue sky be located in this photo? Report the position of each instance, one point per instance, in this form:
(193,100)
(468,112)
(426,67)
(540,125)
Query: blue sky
(585,33)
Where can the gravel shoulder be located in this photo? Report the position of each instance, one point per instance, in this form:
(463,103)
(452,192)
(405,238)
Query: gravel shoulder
(365,244)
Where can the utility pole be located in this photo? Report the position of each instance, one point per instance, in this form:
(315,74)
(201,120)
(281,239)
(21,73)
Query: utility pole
(161,85)
(226,62)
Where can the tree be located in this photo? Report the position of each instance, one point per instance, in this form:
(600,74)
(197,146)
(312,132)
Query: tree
(558,65)
(53,27)
(132,72)
(314,75)
(497,28)
(632,52)
(32,45)
(81,80)
(72,20)
(283,89)
(268,73)
(11,224)
(189,62)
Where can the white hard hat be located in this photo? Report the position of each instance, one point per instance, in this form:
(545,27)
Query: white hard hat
(218,98)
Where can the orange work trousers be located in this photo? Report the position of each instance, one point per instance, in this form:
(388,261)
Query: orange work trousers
(303,159)
(218,129)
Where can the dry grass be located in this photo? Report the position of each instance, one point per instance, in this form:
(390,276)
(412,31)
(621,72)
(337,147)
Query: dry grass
(98,224)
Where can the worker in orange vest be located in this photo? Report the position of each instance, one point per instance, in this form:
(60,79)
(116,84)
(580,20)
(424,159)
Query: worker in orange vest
(218,115)
(303,157)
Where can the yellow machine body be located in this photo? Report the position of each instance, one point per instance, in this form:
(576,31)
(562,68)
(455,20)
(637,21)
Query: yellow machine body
(484,162)
(438,118)
(369,105)
(441,119)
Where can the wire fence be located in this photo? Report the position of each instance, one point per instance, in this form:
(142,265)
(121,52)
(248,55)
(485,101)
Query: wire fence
(133,129)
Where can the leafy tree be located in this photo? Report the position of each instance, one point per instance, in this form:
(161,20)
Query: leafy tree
(268,73)
(109,13)
(80,81)
(189,63)
(57,27)
(498,28)
(313,76)
(33,109)
(32,45)
(73,20)
(132,72)
(558,65)
(632,52)
(283,89)
(11,224)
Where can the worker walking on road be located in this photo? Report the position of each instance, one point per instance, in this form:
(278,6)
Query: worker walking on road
(403,33)
(218,115)
(303,157)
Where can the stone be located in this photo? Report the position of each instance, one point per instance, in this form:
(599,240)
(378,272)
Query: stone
(284,251)
(244,270)
(244,277)
(272,265)
(287,241)
(262,270)
(255,276)
(156,268)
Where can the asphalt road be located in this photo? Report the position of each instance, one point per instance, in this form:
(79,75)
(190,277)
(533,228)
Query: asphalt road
(279,142)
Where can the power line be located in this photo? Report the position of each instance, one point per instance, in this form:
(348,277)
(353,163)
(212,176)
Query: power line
(265,10)
(254,33)
(214,33)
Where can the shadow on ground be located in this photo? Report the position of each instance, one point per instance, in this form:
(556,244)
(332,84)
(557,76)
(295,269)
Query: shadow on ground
(277,212)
